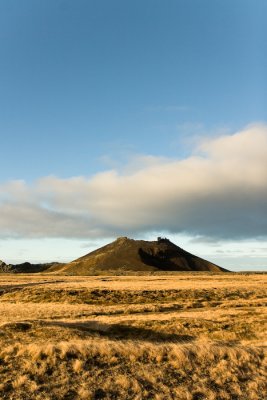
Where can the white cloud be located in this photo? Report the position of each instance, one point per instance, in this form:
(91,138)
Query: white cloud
(220,191)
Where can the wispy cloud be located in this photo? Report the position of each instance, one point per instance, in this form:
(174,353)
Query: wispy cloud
(220,191)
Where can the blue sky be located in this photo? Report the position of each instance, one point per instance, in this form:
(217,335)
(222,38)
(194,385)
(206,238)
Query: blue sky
(87,87)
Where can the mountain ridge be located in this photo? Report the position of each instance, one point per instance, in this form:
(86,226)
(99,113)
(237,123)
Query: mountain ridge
(124,256)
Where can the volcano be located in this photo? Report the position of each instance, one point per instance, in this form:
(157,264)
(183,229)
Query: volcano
(125,255)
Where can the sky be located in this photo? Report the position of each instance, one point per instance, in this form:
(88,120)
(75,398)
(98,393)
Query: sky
(139,118)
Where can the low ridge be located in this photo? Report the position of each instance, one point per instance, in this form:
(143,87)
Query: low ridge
(125,255)
(26,267)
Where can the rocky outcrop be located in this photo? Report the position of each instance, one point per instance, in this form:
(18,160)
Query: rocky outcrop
(5,268)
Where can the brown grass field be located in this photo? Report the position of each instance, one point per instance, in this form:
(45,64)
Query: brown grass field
(185,336)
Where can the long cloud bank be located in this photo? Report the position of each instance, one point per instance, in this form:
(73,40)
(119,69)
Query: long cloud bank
(219,191)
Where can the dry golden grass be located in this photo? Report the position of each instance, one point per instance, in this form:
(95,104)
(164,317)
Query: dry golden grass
(183,336)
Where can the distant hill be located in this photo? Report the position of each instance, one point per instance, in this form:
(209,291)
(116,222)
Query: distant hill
(25,267)
(126,255)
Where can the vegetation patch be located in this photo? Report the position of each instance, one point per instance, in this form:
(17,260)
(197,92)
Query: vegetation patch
(186,337)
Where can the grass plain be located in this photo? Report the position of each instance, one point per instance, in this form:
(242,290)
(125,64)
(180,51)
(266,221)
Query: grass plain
(188,336)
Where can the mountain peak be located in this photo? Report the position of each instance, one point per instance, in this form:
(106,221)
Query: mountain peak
(125,254)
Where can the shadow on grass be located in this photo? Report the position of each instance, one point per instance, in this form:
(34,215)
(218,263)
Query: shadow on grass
(120,331)
(20,286)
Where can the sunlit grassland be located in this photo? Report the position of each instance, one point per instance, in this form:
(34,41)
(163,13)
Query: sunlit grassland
(184,336)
